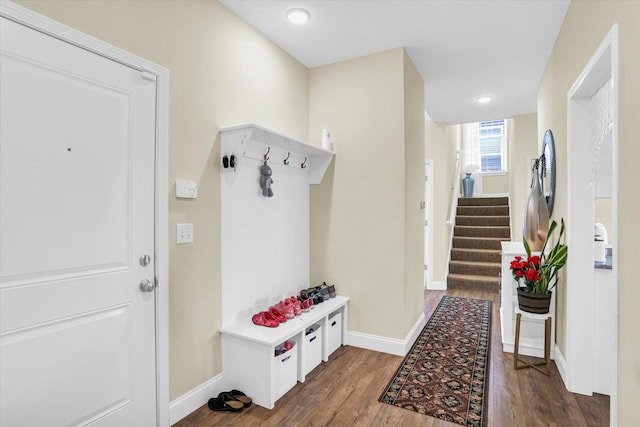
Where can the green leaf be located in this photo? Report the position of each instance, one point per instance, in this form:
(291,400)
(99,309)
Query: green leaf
(552,227)
(526,246)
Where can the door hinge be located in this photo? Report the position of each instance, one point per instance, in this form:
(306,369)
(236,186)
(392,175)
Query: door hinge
(426,223)
(426,267)
(148,75)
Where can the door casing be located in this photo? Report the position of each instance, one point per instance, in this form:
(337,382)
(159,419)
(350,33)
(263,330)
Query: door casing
(428,217)
(577,373)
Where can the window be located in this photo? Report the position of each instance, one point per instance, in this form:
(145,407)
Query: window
(485,145)
(491,136)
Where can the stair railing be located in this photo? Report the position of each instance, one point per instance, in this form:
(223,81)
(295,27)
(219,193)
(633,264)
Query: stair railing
(453,204)
(455,191)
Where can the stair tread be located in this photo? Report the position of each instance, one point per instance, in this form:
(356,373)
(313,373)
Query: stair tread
(473,277)
(484,206)
(483,201)
(492,251)
(483,216)
(482,221)
(502,239)
(477,263)
(481,208)
(483,227)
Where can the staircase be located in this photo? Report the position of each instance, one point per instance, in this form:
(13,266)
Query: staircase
(481,224)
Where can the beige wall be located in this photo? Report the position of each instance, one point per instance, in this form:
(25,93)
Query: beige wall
(523,147)
(584,27)
(358,212)
(222,73)
(414,131)
(495,184)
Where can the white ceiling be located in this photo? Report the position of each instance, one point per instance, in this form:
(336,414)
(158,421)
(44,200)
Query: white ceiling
(462,49)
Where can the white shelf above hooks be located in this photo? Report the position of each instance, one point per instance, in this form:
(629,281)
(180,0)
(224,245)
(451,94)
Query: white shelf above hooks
(253,141)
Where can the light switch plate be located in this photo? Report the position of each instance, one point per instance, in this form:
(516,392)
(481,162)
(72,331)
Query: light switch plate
(186,189)
(185,233)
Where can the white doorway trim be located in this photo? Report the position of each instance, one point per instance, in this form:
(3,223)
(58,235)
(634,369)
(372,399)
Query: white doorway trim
(48,26)
(428,227)
(580,274)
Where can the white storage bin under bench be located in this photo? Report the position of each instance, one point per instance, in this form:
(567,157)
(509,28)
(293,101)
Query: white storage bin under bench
(248,360)
(334,333)
(312,348)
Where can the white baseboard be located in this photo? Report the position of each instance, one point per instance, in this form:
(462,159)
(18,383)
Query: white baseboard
(413,334)
(193,399)
(561,364)
(387,345)
(437,286)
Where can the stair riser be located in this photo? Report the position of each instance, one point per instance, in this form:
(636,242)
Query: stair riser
(483,210)
(461,268)
(483,201)
(483,221)
(500,232)
(470,243)
(457,255)
(462,284)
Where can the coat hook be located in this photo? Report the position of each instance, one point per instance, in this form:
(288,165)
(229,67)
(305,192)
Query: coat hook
(303,165)
(266,155)
(286,161)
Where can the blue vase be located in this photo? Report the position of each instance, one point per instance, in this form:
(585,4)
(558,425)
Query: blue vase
(467,185)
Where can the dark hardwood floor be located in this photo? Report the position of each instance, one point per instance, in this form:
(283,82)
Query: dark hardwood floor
(345,391)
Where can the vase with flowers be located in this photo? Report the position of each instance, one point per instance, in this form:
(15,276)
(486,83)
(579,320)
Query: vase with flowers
(537,275)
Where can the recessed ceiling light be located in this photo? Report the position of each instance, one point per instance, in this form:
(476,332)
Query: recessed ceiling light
(484,99)
(298,15)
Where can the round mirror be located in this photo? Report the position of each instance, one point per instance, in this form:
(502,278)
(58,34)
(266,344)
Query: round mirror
(548,175)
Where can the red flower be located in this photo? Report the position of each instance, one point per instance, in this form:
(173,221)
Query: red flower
(517,257)
(518,273)
(532,275)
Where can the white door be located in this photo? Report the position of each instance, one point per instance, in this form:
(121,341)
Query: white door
(77,138)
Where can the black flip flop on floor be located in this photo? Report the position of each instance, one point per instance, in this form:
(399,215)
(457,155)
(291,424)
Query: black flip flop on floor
(238,395)
(219,404)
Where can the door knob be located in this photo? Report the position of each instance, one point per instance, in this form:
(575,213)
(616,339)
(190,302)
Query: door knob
(147,285)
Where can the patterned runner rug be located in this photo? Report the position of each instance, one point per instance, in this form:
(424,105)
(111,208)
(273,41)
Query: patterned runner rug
(445,375)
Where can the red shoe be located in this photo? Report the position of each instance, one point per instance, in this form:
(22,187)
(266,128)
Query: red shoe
(285,309)
(271,320)
(306,303)
(277,314)
(297,307)
(303,305)
(264,319)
